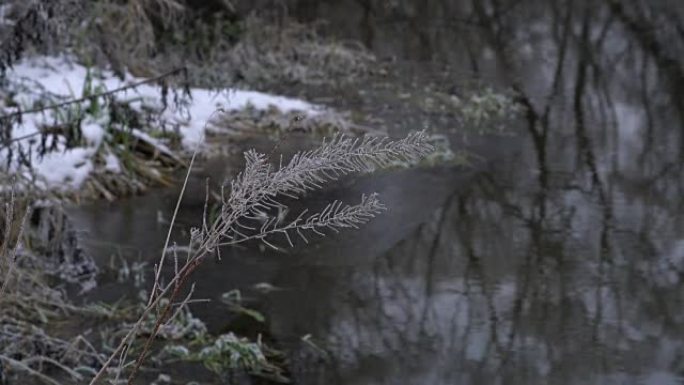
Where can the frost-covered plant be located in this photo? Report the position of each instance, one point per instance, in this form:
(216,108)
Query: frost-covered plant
(33,24)
(105,127)
(258,189)
(248,211)
(485,110)
(102,26)
(9,228)
(189,340)
(28,306)
(224,50)
(229,347)
(289,52)
(227,352)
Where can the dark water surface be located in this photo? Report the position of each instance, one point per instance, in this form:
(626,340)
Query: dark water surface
(558,259)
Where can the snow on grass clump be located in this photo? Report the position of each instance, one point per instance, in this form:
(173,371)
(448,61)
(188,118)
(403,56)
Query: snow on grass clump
(205,103)
(66,170)
(50,80)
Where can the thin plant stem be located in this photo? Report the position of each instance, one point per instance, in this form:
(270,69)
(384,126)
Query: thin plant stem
(173,221)
(154,300)
(13,254)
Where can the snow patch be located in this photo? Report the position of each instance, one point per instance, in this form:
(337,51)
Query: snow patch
(112,163)
(93,134)
(65,170)
(63,79)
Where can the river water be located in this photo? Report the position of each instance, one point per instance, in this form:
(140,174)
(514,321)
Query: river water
(556,258)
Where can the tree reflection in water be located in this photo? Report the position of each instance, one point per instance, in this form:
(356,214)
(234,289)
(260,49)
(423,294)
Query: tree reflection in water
(562,264)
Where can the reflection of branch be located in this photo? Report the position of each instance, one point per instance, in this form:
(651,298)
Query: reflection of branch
(466,236)
(432,253)
(585,146)
(646,101)
(644,32)
(558,73)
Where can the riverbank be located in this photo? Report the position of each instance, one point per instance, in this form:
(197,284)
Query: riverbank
(118,139)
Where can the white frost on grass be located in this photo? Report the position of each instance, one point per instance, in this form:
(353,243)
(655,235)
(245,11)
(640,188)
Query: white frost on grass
(60,78)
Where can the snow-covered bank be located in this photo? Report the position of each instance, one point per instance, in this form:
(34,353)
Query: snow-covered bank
(49,80)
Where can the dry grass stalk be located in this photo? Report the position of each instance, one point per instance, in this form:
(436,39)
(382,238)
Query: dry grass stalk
(8,253)
(252,197)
